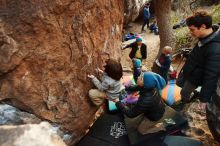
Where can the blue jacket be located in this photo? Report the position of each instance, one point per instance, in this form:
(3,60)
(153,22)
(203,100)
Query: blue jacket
(146,13)
(165,62)
(153,27)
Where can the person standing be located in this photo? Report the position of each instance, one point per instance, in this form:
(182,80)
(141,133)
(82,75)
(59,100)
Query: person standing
(138,49)
(202,67)
(164,61)
(146,16)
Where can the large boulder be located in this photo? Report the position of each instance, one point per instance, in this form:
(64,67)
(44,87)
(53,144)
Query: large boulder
(10,115)
(47,48)
(132,9)
(29,135)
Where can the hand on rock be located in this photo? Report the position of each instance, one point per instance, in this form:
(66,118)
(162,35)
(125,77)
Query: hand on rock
(91,76)
(99,70)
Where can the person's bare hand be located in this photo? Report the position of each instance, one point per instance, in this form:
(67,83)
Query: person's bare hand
(122,47)
(91,76)
(99,70)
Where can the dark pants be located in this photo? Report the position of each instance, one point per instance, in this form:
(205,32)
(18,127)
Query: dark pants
(187,90)
(164,74)
(145,22)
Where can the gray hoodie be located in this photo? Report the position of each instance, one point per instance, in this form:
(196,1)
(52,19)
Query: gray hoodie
(111,87)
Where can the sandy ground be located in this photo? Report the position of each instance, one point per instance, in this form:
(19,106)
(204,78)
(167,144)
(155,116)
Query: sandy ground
(197,119)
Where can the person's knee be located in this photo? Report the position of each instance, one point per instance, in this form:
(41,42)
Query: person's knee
(96,97)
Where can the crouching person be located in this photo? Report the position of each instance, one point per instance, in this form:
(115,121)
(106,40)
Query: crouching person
(110,86)
(148,114)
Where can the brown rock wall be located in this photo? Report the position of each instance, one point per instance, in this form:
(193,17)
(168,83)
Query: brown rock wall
(47,47)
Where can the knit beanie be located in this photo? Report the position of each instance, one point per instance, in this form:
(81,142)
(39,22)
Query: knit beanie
(153,80)
(138,39)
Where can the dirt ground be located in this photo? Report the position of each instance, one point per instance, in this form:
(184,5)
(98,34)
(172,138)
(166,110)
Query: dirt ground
(152,42)
(197,119)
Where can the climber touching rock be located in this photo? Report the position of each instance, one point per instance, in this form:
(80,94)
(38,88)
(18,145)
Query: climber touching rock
(110,86)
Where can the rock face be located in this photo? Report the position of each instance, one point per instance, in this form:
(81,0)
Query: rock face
(12,116)
(47,48)
(29,135)
(132,9)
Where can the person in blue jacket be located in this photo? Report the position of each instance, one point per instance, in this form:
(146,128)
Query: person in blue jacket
(146,16)
(164,62)
(154,28)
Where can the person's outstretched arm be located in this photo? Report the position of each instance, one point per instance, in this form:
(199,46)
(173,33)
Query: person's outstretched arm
(128,46)
(129,112)
(102,86)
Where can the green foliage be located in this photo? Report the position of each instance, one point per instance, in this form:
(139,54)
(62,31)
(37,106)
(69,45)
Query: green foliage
(174,18)
(216,14)
(183,38)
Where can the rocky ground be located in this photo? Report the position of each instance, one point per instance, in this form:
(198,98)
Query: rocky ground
(197,119)
(19,128)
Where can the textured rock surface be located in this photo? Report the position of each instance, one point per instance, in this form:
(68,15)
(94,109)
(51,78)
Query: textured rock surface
(29,135)
(132,9)
(198,127)
(47,47)
(12,116)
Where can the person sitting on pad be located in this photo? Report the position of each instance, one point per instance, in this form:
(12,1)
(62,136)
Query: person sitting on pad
(149,104)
